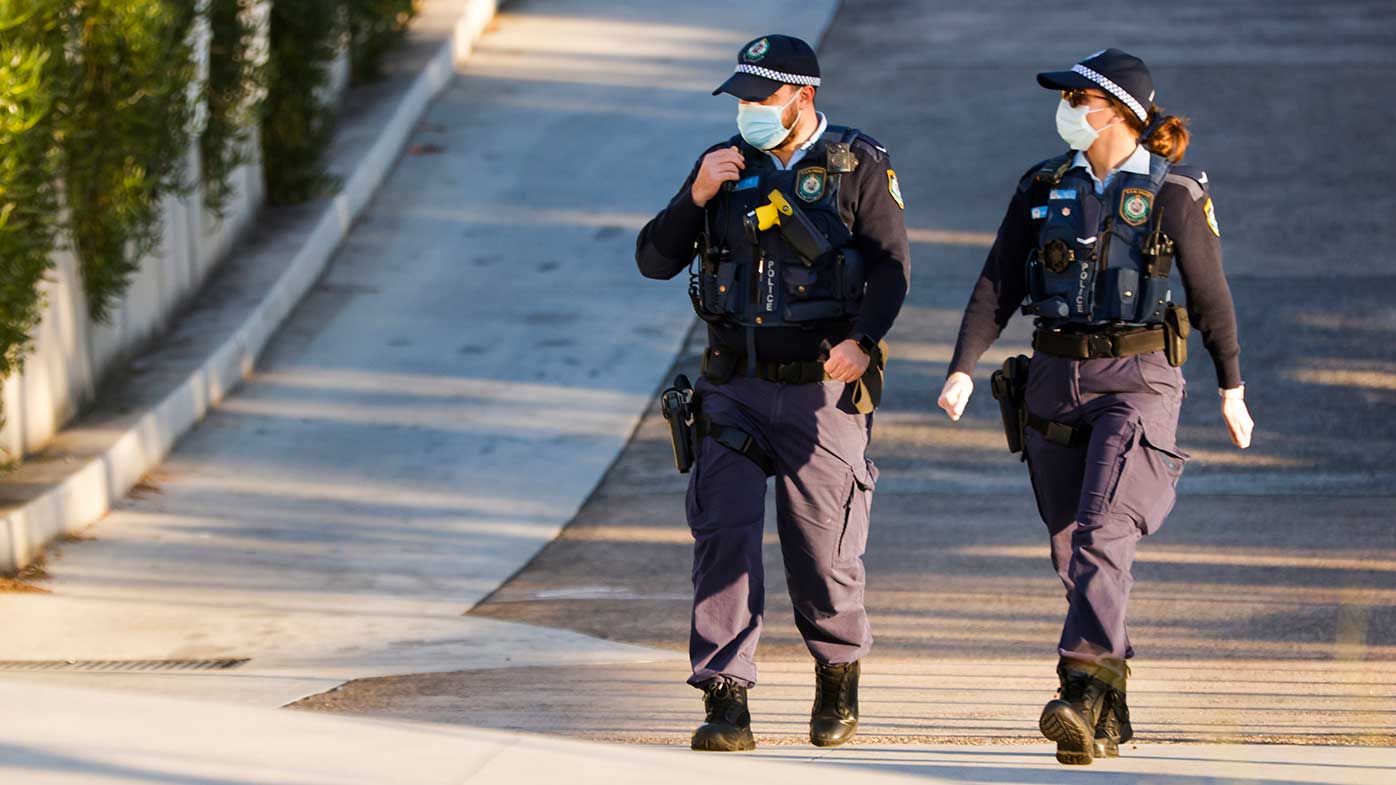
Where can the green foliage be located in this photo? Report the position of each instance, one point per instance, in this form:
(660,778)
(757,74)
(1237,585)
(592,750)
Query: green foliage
(124,132)
(375,27)
(98,115)
(234,80)
(297,120)
(31,56)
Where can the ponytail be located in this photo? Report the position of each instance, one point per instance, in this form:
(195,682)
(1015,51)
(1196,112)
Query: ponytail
(1165,134)
(1169,135)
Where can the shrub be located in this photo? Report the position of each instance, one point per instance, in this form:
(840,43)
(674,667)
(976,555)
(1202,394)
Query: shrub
(124,131)
(297,120)
(31,59)
(375,27)
(233,91)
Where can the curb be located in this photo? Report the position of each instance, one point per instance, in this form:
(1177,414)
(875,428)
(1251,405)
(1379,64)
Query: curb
(87,494)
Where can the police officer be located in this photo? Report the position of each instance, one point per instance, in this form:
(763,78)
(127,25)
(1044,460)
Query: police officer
(1087,247)
(803,265)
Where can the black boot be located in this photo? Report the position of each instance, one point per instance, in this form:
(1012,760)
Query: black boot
(1114,728)
(728,725)
(1071,719)
(834,718)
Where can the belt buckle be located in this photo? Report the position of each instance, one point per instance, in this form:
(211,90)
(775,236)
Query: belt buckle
(1100,345)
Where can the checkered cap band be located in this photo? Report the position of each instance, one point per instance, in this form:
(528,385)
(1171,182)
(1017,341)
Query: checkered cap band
(1113,89)
(779,76)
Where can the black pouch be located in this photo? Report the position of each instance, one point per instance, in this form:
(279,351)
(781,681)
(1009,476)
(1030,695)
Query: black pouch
(866,393)
(1176,328)
(719,364)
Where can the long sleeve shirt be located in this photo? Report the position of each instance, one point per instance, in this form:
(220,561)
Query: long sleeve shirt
(866,201)
(1188,219)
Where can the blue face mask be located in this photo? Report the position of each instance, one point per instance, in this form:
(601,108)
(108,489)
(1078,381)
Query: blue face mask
(761,125)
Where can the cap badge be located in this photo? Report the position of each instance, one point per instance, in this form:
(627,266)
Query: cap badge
(1134,206)
(895,188)
(809,183)
(758,50)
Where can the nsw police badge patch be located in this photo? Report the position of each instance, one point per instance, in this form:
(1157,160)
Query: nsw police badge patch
(809,183)
(757,50)
(895,188)
(1211,217)
(1134,206)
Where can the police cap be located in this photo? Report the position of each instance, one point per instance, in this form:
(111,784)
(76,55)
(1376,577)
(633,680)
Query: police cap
(763,65)
(1122,75)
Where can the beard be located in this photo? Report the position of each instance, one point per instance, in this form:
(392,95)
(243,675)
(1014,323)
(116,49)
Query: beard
(793,123)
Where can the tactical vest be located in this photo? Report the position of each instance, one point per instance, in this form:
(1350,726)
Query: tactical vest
(1100,259)
(757,279)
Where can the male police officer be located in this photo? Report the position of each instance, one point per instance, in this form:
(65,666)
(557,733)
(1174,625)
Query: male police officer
(804,266)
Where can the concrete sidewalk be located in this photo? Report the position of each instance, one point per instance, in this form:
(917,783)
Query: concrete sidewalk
(91,737)
(442,403)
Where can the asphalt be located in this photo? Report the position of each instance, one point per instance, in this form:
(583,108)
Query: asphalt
(1265,609)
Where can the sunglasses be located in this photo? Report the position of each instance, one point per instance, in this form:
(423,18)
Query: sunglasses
(1080,97)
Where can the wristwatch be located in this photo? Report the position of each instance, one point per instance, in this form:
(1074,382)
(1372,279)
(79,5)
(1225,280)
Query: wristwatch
(867,344)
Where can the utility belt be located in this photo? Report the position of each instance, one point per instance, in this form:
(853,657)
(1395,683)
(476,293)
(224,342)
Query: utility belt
(1009,386)
(682,407)
(720,364)
(1171,338)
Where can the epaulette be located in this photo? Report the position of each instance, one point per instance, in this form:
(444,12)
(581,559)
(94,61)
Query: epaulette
(874,147)
(1191,178)
(1050,170)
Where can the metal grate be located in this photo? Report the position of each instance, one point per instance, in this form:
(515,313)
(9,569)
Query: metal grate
(121,665)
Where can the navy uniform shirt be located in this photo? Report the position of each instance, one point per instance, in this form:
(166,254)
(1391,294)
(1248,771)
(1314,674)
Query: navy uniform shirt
(1188,219)
(668,243)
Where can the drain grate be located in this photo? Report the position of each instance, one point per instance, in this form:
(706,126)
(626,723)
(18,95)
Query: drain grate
(121,666)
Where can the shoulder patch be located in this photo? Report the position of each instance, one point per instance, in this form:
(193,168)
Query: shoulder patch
(895,188)
(1211,217)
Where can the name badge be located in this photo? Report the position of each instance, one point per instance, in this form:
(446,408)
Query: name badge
(1062,193)
(746,183)
(1038,213)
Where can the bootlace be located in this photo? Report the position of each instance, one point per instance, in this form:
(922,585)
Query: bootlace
(834,685)
(724,705)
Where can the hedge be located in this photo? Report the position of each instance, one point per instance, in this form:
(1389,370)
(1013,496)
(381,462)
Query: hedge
(101,109)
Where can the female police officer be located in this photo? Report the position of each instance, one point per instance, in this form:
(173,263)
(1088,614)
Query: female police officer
(1087,247)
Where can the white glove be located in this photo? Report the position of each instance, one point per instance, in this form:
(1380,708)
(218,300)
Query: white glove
(1238,418)
(955,394)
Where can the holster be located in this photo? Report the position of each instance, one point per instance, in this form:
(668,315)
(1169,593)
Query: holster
(680,406)
(1176,328)
(1009,387)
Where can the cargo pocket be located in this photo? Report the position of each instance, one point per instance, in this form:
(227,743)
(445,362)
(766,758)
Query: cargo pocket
(693,507)
(1148,486)
(857,514)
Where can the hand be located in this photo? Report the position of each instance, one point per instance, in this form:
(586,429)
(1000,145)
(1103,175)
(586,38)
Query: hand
(847,362)
(1238,421)
(955,394)
(718,167)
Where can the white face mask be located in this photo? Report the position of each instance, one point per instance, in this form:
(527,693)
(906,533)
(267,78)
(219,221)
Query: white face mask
(762,126)
(1073,126)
